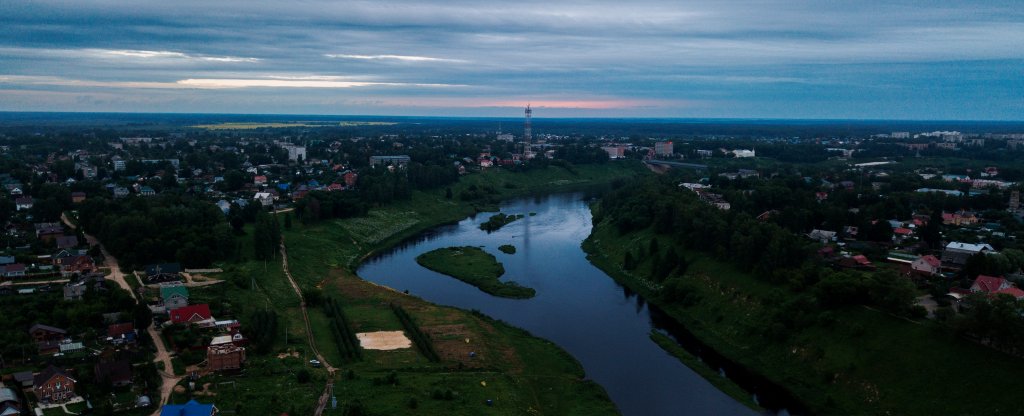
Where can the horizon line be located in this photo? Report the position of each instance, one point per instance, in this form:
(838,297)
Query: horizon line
(520,117)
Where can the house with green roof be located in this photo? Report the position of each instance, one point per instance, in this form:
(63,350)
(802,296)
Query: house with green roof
(174,296)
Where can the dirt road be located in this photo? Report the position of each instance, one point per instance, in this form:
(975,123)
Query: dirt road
(302,305)
(329,388)
(169,380)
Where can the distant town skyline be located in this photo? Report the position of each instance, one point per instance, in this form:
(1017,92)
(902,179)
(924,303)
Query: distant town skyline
(704,59)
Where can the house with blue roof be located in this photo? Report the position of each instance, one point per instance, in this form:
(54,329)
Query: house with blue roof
(192,408)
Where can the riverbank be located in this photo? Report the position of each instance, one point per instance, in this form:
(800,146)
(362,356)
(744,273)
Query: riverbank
(852,361)
(516,371)
(476,267)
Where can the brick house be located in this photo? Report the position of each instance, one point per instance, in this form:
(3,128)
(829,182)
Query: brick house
(223,354)
(53,385)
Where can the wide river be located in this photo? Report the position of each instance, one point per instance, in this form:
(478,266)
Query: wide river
(605,326)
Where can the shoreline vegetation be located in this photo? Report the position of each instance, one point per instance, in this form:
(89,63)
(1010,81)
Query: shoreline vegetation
(507,249)
(722,383)
(476,267)
(857,361)
(527,372)
(499,220)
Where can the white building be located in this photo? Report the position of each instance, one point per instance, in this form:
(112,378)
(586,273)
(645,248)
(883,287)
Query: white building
(743,153)
(265,198)
(294,152)
(663,148)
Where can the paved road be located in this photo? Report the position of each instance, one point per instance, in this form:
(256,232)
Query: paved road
(169,380)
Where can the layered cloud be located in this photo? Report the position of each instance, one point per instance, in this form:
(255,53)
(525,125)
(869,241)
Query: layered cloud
(728,58)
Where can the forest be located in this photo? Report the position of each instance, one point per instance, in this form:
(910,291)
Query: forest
(166,228)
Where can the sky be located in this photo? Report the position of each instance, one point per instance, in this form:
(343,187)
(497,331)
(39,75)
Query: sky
(868,59)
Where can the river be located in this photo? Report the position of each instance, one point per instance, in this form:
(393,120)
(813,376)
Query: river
(605,326)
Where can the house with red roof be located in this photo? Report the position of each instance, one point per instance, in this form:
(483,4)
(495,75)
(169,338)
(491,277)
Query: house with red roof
(927,265)
(350,179)
(192,314)
(990,284)
(856,262)
(259,180)
(1012,291)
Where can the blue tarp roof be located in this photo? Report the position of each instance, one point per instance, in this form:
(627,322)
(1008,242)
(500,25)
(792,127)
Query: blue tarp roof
(192,408)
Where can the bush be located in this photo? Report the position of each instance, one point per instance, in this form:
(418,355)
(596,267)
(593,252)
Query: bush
(302,376)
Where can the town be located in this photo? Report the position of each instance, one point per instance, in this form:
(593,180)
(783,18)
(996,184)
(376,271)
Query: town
(142,267)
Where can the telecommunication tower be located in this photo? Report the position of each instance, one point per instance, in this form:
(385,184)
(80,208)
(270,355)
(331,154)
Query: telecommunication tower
(527,130)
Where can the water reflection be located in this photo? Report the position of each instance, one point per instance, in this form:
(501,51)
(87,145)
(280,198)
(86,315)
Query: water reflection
(605,326)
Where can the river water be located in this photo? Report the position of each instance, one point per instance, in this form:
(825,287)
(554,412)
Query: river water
(605,326)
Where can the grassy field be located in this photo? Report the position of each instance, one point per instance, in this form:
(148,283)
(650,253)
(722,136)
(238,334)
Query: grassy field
(520,374)
(476,267)
(859,361)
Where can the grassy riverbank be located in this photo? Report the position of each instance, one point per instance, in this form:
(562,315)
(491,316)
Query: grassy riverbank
(476,267)
(853,361)
(724,384)
(520,373)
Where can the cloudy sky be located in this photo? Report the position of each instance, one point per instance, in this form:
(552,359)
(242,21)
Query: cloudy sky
(643,58)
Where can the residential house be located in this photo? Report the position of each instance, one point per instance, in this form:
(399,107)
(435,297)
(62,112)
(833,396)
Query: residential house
(146,191)
(901,234)
(10,405)
(123,333)
(47,338)
(996,286)
(350,179)
(53,385)
(23,379)
(192,408)
(259,180)
(957,253)
(174,296)
(118,373)
(74,264)
(194,314)
(161,273)
(822,236)
(856,262)
(121,192)
(927,265)
(75,291)
(77,197)
(23,203)
(12,270)
(264,198)
(990,284)
(959,218)
(223,354)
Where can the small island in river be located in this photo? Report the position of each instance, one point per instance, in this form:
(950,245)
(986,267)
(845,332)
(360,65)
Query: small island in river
(476,267)
(499,220)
